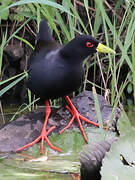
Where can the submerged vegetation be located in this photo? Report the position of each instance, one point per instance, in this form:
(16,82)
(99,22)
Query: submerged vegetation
(110,22)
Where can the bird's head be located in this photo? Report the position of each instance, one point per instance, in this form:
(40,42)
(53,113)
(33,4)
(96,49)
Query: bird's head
(83,46)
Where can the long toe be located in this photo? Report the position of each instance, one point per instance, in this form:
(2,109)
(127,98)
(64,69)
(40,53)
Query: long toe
(28,145)
(43,137)
(76,115)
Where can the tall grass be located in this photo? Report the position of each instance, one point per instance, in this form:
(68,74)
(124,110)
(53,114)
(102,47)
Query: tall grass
(1,50)
(18,77)
(119,36)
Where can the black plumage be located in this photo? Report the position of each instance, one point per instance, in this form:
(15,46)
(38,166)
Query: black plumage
(56,71)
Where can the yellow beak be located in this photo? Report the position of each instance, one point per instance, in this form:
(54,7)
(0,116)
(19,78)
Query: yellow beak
(104,49)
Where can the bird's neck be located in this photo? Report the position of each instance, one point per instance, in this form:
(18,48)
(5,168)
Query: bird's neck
(73,54)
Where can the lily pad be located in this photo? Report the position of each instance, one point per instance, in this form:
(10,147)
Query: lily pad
(51,164)
(10,173)
(119,161)
(124,124)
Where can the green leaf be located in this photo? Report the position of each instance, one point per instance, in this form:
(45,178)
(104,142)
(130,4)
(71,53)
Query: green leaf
(3,4)
(51,164)
(25,41)
(11,85)
(113,167)
(124,125)
(46,2)
(9,79)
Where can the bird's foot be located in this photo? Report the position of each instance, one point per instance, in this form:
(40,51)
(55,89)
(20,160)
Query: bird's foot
(44,134)
(78,116)
(42,137)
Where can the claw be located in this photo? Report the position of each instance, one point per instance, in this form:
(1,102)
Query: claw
(43,135)
(78,116)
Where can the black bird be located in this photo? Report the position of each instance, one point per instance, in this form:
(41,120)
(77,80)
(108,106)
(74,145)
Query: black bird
(55,71)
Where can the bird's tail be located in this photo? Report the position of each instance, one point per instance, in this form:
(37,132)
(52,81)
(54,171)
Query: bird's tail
(44,33)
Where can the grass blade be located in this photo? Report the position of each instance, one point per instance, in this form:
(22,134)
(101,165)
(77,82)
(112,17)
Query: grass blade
(11,85)
(45,2)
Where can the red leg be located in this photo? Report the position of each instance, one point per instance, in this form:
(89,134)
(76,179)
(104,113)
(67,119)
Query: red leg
(44,134)
(78,116)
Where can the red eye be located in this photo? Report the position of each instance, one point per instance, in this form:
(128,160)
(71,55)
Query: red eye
(89,44)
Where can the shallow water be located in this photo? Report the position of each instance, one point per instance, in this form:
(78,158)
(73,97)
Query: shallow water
(52,165)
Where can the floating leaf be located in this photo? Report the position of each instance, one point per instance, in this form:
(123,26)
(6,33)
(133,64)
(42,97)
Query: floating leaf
(70,142)
(114,166)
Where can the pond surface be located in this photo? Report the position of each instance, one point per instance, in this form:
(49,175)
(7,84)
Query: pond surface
(51,165)
(17,167)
